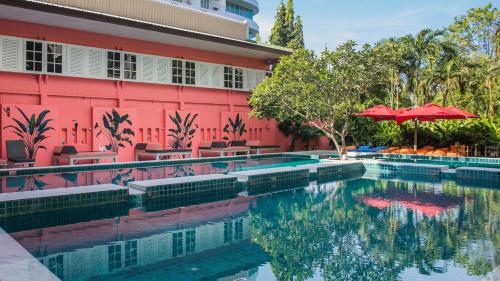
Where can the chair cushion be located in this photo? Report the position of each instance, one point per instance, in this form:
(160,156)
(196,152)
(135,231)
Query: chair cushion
(218,144)
(239,143)
(141,146)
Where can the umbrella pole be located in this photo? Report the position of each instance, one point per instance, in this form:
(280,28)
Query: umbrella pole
(415,134)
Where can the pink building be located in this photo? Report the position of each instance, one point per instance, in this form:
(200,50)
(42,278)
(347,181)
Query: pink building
(82,67)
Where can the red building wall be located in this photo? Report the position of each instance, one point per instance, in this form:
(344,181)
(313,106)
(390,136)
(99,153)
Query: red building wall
(83,101)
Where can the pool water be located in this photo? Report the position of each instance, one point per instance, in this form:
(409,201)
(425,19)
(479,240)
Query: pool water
(451,164)
(123,176)
(358,229)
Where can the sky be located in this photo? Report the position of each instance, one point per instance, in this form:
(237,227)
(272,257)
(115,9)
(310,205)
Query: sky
(332,22)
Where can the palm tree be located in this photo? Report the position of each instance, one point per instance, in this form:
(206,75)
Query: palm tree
(419,52)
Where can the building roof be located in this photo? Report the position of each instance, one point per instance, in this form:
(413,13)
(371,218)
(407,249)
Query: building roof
(85,20)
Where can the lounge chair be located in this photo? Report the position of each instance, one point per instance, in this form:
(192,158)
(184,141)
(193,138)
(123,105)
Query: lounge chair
(16,154)
(257,148)
(157,153)
(72,156)
(370,149)
(221,148)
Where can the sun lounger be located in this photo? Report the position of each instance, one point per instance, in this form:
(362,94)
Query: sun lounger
(369,149)
(157,153)
(222,149)
(16,154)
(257,148)
(69,154)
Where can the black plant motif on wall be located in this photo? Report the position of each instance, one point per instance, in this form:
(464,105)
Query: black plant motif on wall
(32,130)
(114,128)
(181,137)
(234,129)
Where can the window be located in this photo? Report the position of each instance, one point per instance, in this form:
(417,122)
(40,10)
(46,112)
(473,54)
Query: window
(114,65)
(228,77)
(190,241)
(114,257)
(238,78)
(130,253)
(177,71)
(34,56)
(130,66)
(239,10)
(238,229)
(54,58)
(56,265)
(204,4)
(228,232)
(190,73)
(177,244)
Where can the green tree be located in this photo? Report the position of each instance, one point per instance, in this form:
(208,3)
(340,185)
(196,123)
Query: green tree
(289,21)
(279,32)
(297,40)
(477,31)
(323,91)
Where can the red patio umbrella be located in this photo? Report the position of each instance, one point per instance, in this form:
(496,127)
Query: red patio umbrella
(429,112)
(460,111)
(380,113)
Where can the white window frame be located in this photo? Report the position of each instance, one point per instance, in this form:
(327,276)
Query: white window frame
(228,82)
(120,61)
(239,84)
(187,78)
(25,56)
(63,55)
(179,71)
(125,63)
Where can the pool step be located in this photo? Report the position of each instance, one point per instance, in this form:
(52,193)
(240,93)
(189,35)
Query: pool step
(32,202)
(404,168)
(330,169)
(273,176)
(182,186)
(491,174)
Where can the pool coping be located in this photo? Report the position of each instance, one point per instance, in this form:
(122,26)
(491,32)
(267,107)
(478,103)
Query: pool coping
(140,164)
(17,264)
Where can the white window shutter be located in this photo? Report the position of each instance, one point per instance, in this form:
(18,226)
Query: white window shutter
(251,79)
(204,73)
(163,70)
(96,63)
(10,50)
(260,76)
(75,60)
(217,76)
(147,68)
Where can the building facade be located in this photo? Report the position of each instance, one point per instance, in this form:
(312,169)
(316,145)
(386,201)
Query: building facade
(241,10)
(107,74)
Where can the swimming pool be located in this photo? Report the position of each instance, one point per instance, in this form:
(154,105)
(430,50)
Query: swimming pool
(357,229)
(449,163)
(123,176)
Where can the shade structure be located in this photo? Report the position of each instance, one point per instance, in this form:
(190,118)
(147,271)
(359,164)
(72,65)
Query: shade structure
(429,112)
(380,113)
(460,111)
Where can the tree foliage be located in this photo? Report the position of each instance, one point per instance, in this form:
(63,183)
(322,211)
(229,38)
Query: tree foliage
(322,91)
(287,30)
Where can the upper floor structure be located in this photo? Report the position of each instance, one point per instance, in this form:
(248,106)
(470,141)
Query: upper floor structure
(241,10)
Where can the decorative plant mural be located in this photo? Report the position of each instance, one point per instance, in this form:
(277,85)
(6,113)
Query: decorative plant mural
(32,130)
(181,137)
(114,129)
(235,129)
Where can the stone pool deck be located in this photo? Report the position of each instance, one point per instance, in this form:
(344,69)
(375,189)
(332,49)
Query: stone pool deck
(17,264)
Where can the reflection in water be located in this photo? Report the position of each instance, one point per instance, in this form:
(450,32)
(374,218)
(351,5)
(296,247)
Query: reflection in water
(340,232)
(124,176)
(354,229)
